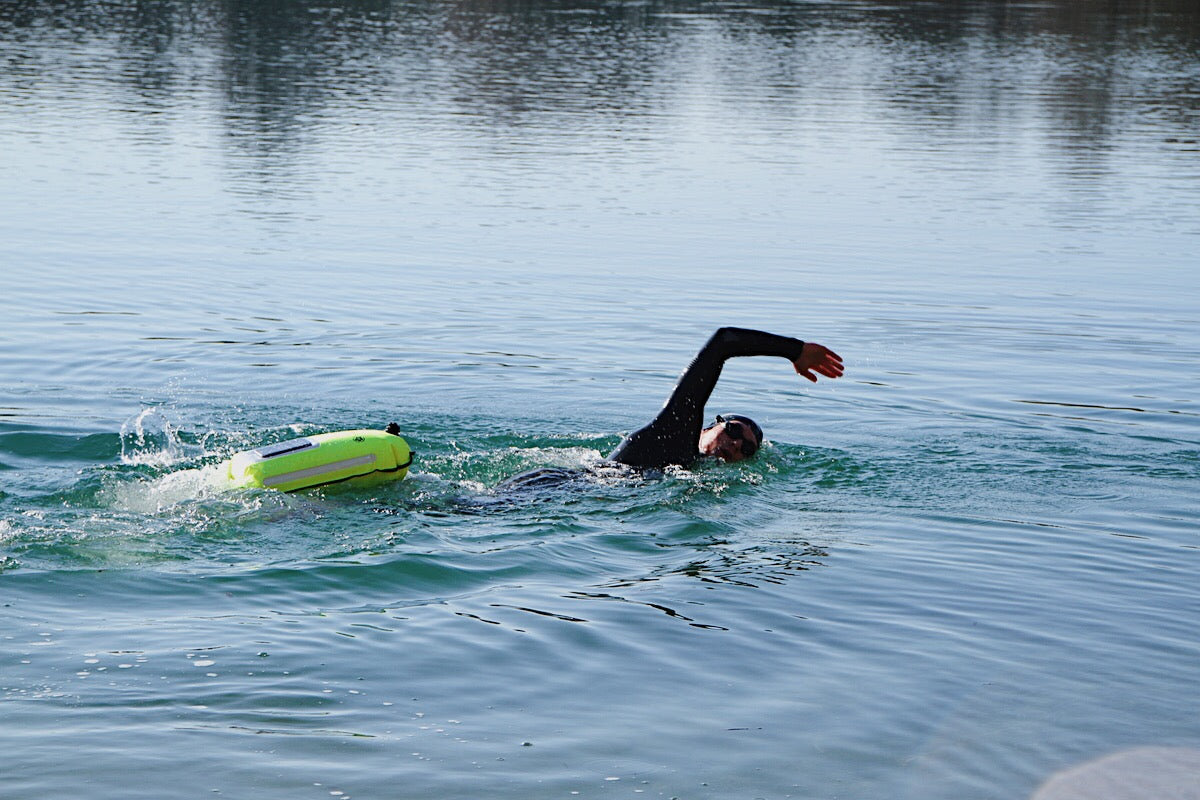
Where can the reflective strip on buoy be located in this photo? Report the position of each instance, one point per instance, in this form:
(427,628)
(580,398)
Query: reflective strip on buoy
(313,472)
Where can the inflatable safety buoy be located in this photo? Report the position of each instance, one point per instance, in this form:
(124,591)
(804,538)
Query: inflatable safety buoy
(364,457)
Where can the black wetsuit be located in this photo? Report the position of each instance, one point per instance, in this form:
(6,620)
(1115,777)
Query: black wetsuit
(673,437)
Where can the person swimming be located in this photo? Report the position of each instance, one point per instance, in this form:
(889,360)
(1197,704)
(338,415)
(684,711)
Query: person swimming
(677,436)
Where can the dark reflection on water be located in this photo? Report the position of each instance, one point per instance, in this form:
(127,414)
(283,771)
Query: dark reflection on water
(572,114)
(282,69)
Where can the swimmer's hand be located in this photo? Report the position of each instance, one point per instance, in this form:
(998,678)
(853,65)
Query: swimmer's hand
(816,358)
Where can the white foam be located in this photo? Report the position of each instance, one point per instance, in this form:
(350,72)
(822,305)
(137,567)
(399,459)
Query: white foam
(159,494)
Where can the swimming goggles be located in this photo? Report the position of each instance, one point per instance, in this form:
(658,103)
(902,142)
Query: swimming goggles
(736,430)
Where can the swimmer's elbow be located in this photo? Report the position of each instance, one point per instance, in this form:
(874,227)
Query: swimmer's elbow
(721,338)
(723,343)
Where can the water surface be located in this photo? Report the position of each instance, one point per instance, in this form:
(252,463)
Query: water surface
(507,226)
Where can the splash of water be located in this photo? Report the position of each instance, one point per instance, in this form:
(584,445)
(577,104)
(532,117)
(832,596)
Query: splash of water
(149,439)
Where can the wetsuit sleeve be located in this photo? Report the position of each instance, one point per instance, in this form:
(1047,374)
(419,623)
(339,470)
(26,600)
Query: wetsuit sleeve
(673,436)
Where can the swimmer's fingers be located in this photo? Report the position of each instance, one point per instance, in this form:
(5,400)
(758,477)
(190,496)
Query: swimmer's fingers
(831,367)
(816,358)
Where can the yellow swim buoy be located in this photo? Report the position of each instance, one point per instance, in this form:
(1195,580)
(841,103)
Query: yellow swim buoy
(364,457)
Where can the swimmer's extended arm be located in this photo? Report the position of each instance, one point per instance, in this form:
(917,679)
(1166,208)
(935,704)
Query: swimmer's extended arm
(673,436)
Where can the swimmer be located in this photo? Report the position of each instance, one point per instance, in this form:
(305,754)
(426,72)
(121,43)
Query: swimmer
(677,436)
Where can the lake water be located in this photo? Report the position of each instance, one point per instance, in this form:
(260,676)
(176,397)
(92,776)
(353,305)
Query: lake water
(963,568)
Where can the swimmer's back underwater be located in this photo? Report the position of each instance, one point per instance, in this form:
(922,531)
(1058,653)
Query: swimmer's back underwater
(543,478)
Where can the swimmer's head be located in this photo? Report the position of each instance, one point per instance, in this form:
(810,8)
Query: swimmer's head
(731,438)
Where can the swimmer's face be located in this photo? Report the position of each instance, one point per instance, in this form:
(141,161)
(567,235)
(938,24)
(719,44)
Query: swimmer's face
(728,440)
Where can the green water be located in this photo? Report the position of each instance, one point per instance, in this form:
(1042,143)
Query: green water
(966,566)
